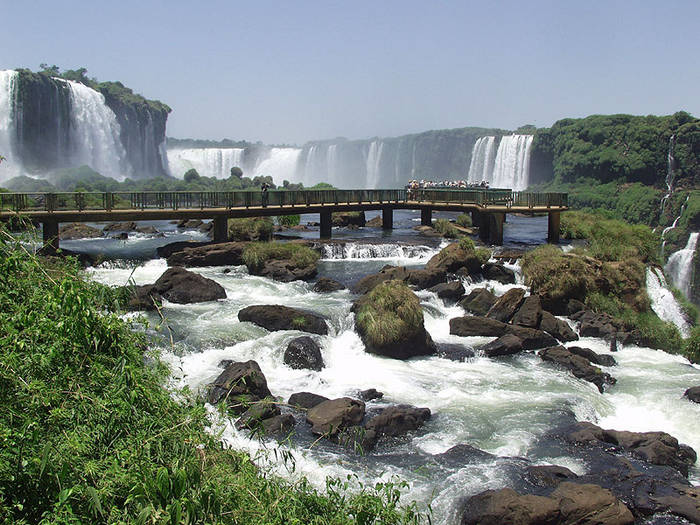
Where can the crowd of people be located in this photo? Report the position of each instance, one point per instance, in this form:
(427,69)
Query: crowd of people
(445,184)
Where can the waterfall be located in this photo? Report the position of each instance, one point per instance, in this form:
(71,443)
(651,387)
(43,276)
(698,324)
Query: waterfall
(374,157)
(309,174)
(9,167)
(95,133)
(358,250)
(280,164)
(680,265)
(482,163)
(512,167)
(670,161)
(332,165)
(663,303)
(209,162)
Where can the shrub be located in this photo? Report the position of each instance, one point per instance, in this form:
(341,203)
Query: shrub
(288,220)
(250,229)
(257,254)
(464,220)
(559,276)
(447,230)
(691,347)
(191,175)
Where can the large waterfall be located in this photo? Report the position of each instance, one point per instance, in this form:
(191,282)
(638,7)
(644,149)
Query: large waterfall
(509,168)
(279,163)
(209,162)
(8,168)
(483,157)
(374,158)
(680,265)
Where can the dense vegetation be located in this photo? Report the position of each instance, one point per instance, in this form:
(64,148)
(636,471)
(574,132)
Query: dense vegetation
(299,256)
(89,434)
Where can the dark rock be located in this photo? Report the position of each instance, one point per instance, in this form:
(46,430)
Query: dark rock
(331,416)
(190,224)
(578,366)
(455,352)
(548,475)
(240,384)
(498,272)
(397,420)
(530,312)
(590,504)
(128,226)
(451,291)
(421,279)
(463,454)
(286,270)
(324,285)
(557,328)
(595,324)
(221,254)
(613,342)
(178,285)
(506,305)
(596,359)
(303,352)
(206,227)
(508,344)
(452,258)
(280,424)
(276,317)
(470,325)
(147,230)
(371,394)
(226,271)
(78,230)
(258,411)
(693,394)
(305,400)
(375,222)
(531,338)
(167,250)
(573,306)
(144,298)
(344,219)
(123,236)
(479,301)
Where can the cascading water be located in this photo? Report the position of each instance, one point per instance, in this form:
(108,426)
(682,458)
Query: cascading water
(512,165)
(680,265)
(357,250)
(209,162)
(374,157)
(482,162)
(9,167)
(670,161)
(663,303)
(332,164)
(280,164)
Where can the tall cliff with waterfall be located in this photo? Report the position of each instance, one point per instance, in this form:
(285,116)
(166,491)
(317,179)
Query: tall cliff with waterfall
(48,122)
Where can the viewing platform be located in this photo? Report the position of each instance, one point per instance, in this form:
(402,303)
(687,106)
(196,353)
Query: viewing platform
(488,207)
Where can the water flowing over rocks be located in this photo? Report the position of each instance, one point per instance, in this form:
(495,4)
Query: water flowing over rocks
(498,272)
(451,291)
(597,359)
(579,366)
(326,285)
(276,317)
(506,305)
(176,285)
(303,353)
(220,254)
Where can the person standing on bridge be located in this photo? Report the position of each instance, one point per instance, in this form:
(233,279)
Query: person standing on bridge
(264,187)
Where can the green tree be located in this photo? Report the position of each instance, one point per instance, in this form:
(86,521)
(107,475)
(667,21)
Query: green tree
(191,175)
(236,172)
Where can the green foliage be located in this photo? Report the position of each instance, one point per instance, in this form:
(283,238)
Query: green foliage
(389,312)
(691,348)
(236,172)
(464,220)
(191,175)
(250,229)
(288,220)
(90,435)
(446,228)
(549,271)
(466,244)
(257,254)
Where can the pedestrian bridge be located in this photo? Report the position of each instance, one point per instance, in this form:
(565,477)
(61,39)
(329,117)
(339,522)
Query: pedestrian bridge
(487,206)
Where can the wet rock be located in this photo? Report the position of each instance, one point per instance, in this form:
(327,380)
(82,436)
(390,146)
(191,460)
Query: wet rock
(421,279)
(78,230)
(531,338)
(506,305)
(305,400)
(286,271)
(258,411)
(530,312)
(143,298)
(221,254)
(325,285)
(452,258)
(351,218)
(548,475)
(498,272)
(128,226)
(463,454)
(470,325)
(329,417)
(693,394)
(178,285)
(557,328)
(508,344)
(147,230)
(595,324)
(240,384)
(397,420)
(276,317)
(451,291)
(303,352)
(375,222)
(190,224)
(479,301)
(590,504)
(167,250)
(370,394)
(122,236)
(281,424)
(596,359)
(578,366)
(573,306)
(454,352)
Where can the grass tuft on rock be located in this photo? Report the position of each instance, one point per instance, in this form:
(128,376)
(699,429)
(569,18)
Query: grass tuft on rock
(250,229)
(464,220)
(257,254)
(446,228)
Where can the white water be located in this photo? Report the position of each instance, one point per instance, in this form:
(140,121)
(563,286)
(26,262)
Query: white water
(402,253)
(663,303)
(680,265)
(95,133)
(280,164)
(10,167)
(512,165)
(374,157)
(209,162)
(483,157)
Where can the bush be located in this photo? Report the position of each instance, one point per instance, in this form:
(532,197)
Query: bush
(288,220)
(464,220)
(257,254)
(191,175)
(447,230)
(691,347)
(557,275)
(250,229)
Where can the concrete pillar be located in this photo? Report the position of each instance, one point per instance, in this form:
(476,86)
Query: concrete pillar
(426,217)
(476,218)
(553,227)
(484,227)
(220,232)
(49,231)
(388,218)
(326,224)
(496,228)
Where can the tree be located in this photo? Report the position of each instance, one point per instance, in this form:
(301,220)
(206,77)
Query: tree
(2,158)
(236,172)
(191,175)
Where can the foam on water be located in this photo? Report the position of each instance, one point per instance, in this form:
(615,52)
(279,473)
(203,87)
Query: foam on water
(664,303)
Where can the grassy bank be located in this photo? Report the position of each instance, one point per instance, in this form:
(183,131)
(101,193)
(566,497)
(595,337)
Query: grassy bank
(88,434)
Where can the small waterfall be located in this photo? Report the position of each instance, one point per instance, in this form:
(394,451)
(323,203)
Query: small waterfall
(680,265)
(669,228)
(482,163)
(663,303)
(95,133)
(9,167)
(280,164)
(512,165)
(357,250)
(309,174)
(209,162)
(332,165)
(374,157)
(670,175)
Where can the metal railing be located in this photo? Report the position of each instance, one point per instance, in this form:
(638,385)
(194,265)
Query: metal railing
(175,200)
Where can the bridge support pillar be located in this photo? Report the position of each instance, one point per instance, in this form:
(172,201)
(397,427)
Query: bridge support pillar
(426,217)
(387,218)
(220,230)
(476,218)
(553,221)
(491,228)
(326,224)
(49,230)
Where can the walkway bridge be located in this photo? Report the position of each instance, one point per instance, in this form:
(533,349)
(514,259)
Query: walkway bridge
(487,207)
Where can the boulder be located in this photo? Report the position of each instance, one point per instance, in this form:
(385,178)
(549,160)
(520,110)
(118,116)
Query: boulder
(452,258)
(479,301)
(370,394)
(147,230)
(350,218)
(128,226)
(557,328)
(330,417)
(506,305)
(143,298)
(397,420)
(498,272)
(548,475)
(280,424)
(375,222)
(596,359)
(470,325)
(594,324)
(590,505)
(531,338)
(286,270)
(530,312)
(693,394)
(325,285)
(508,344)
(221,254)
(276,317)
(240,384)
(455,352)
(451,291)
(258,411)
(178,285)
(190,224)
(167,250)
(578,366)
(78,230)
(421,279)
(305,400)
(303,352)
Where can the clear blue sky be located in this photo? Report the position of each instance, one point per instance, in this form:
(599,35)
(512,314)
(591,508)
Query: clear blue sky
(287,72)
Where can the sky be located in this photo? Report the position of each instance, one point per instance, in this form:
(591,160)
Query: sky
(288,72)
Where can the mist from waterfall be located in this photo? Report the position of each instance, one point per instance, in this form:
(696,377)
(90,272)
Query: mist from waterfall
(280,164)
(209,162)
(9,167)
(680,265)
